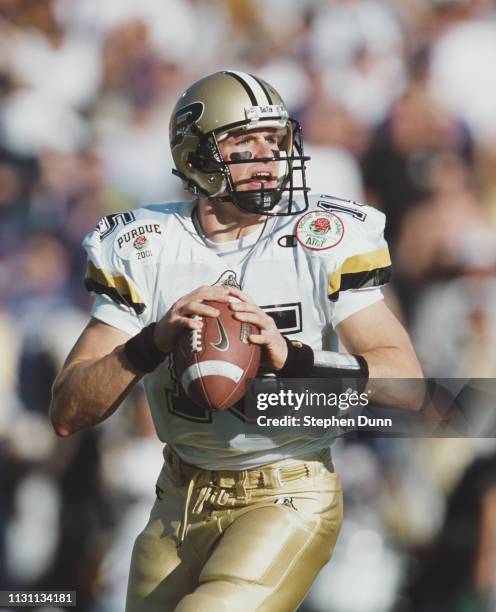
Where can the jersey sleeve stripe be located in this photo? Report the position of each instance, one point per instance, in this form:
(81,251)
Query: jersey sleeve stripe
(365,270)
(118,288)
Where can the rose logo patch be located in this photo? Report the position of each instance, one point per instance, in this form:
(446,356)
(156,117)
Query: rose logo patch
(140,242)
(320,226)
(319,230)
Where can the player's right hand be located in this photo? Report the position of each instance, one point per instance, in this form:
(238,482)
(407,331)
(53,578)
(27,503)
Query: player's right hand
(181,314)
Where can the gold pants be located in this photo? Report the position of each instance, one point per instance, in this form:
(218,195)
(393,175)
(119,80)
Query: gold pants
(236,541)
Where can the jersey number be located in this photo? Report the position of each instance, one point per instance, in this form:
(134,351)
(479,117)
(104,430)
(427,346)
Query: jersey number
(108,224)
(343,208)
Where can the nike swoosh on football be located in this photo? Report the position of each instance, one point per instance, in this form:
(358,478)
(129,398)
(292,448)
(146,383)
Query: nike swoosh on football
(223,343)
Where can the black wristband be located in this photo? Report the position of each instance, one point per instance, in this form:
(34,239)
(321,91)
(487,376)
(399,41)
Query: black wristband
(364,367)
(299,362)
(362,377)
(142,352)
(348,372)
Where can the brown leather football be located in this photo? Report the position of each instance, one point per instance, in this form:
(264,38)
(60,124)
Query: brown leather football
(214,363)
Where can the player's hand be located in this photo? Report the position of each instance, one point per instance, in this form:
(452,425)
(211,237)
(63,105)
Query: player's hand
(181,314)
(275,349)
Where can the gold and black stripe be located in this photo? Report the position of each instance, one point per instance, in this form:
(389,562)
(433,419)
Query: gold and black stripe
(245,86)
(264,89)
(365,270)
(118,288)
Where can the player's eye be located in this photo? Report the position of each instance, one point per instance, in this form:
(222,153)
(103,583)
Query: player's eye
(275,139)
(242,141)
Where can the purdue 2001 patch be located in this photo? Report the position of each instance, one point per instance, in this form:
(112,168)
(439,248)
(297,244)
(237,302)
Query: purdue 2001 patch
(319,230)
(139,241)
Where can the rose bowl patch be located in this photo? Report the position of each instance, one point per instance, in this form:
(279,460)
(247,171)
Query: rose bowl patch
(319,230)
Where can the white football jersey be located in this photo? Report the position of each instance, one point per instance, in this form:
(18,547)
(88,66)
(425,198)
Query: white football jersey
(308,271)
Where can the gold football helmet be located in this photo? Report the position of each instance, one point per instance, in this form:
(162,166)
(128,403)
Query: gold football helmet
(230,101)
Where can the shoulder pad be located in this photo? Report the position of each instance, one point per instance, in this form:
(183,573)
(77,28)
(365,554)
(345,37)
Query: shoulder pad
(106,273)
(122,242)
(356,243)
(111,226)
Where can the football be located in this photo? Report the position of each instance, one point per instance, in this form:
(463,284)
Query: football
(213,364)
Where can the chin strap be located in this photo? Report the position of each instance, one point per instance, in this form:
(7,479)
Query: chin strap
(257,202)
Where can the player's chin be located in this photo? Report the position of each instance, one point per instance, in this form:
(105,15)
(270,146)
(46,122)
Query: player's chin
(241,213)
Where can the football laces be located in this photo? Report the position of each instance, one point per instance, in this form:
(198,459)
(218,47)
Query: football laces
(196,337)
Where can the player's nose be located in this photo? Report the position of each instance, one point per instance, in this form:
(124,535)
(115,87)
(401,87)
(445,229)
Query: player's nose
(263,149)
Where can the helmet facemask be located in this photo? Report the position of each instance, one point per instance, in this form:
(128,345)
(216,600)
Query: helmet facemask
(279,168)
(288,157)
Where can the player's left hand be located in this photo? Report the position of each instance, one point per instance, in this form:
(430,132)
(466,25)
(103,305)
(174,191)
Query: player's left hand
(275,349)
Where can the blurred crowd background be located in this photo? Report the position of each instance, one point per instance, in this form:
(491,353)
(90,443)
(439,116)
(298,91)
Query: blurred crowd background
(397,99)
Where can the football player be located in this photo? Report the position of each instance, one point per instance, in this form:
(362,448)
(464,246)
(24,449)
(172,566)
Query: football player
(240,523)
